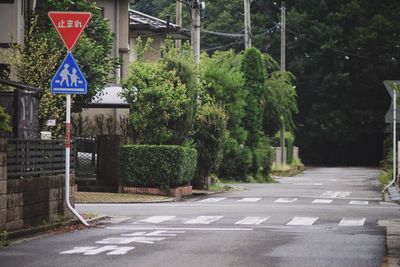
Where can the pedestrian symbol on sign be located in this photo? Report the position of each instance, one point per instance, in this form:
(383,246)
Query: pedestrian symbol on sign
(68,78)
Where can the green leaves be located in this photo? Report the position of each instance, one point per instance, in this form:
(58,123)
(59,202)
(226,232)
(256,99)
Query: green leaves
(158,166)
(4,121)
(158,101)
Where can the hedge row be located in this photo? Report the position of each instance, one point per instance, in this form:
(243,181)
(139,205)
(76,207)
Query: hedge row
(158,165)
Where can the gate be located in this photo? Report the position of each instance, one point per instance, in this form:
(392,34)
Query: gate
(85,154)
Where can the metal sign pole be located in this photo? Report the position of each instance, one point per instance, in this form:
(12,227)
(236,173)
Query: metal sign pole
(394,137)
(68,158)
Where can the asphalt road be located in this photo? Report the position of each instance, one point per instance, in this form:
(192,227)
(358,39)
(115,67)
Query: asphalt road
(325,217)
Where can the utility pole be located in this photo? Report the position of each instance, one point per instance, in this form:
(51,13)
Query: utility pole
(283,69)
(283,37)
(178,20)
(247,24)
(196,31)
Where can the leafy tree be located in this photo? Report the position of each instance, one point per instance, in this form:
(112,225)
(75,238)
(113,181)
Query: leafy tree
(158,102)
(339,52)
(209,137)
(280,102)
(93,48)
(253,72)
(37,60)
(224,83)
(181,61)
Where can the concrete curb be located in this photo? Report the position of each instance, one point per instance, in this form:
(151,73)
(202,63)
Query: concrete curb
(130,202)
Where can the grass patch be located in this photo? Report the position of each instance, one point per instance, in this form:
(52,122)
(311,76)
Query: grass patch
(288,170)
(89,215)
(4,241)
(385,177)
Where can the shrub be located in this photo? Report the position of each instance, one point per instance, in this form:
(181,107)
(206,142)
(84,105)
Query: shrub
(289,143)
(263,156)
(158,166)
(4,120)
(236,161)
(210,137)
(158,101)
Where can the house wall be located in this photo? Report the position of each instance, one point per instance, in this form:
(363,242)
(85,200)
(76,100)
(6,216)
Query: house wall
(154,53)
(12,22)
(117,12)
(116,113)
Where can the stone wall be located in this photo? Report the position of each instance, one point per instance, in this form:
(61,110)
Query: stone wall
(30,201)
(174,192)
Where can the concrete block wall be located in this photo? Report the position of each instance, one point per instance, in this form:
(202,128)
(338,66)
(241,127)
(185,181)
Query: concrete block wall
(30,201)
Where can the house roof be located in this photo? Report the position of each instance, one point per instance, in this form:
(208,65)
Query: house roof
(144,22)
(20,86)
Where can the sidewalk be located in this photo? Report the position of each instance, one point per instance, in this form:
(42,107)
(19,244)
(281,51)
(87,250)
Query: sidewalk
(392,232)
(100,197)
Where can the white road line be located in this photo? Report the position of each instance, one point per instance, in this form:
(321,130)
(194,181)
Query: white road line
(335,194)
(177,228)
(249,199)
(77,250)
(252,220)
(303,221)
(161,233)
(204,220)
(128,240)
(285,200)
(322,201)
(114,250)
(212,199)
(306,184)
(157,219)
(358,202)
(352,222)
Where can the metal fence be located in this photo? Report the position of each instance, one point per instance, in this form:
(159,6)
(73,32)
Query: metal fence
(35,157)
(85,157)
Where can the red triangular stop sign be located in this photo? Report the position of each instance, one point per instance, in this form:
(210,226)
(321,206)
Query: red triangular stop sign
(69,25)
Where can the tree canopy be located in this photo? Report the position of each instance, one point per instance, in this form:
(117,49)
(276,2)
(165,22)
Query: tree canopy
(38,58)
(340,51)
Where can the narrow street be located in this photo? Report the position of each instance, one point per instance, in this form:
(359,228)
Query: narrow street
(324,217)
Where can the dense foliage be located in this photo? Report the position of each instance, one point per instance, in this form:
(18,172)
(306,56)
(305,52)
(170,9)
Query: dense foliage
(254,79)
(209,136)
(37,60)
(158,103)
(4,120)
(157,166)
(340,52)
(163,99)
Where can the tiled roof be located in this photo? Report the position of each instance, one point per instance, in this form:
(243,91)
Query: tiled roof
(137,18)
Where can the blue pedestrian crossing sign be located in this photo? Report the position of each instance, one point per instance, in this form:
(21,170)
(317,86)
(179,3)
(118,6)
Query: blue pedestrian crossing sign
(68,78)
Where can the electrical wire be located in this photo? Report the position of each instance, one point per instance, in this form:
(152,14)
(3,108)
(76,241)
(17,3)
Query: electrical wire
(223,46)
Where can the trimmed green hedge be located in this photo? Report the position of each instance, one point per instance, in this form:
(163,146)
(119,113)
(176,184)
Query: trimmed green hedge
(157,165)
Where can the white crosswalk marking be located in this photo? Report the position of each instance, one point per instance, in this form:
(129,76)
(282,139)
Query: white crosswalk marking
(128,240)
(335,194)
(157,219)
(114,250)
(155,233)
(285,200)
(322,201)
(357,202)
(352,222)
(303,221)
(204,220)
(213,199)
(249,199)
(252,220)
